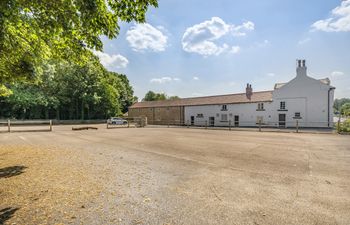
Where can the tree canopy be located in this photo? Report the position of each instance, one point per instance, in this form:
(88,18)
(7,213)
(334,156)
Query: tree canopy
(152,96)
(338,103)
(33,31)
(345,109)
(47,68)
(69,91)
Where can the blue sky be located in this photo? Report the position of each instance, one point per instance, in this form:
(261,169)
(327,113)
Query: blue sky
(196,47)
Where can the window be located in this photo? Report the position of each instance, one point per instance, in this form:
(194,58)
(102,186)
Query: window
(282,105)
(223,117)
(260,106)
(200,115)
(259,119)
(297,115)
(224,108)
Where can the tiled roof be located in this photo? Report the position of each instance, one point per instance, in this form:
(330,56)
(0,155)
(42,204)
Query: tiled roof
(262,96)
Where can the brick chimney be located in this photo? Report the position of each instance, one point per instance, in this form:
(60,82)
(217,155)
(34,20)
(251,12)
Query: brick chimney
(249,91)
(301,68)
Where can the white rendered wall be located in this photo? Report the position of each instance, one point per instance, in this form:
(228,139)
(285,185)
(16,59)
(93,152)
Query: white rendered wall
(303,94)
(309,97)
(247,113)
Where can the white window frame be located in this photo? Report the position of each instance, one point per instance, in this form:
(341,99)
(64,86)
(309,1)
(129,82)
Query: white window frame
(282,105)
(223,117)
(260,106)
(199,115)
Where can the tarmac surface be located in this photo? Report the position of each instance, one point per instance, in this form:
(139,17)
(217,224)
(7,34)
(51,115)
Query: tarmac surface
(166,175)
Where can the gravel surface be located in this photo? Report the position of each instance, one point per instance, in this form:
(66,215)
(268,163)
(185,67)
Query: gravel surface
(173,176)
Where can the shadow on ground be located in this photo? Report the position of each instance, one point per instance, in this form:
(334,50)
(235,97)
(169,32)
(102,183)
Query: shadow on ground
(11,171)
(6,214)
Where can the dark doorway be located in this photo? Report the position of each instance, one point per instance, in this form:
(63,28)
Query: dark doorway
(211,121)
(192,120)
(282,120)
(236,121)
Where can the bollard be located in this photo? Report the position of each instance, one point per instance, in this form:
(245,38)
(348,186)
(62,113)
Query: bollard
(168,124)
(229,124)
(128,123)
(260,125)
(297,126)
(206,124)
(107,125)
(188,124)
(8,126)
(50,125)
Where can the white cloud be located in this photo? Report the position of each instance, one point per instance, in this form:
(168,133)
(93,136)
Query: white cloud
(112,61)
(271,74)
(337,74)
(304,41)
(195,78)
(146,37)
(203,38)
(262,44)
(163,80)
(241,30)
(235,49)
(338,21)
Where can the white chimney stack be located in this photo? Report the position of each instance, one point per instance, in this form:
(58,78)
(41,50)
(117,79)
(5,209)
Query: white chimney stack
(301,67)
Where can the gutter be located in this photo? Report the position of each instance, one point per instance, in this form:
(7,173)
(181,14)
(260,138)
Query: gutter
(329,90)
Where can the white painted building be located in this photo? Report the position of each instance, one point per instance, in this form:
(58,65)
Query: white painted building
(304,99)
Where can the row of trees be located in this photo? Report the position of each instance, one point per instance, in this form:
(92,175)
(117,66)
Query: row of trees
(69,91)
(47,69)
(153,96)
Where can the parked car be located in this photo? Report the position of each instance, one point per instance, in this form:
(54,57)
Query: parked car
(117,121)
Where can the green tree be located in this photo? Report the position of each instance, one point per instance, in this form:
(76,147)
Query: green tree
(33,31)
(69,91)
(173,97)
(126,93)
(345,109)
(338,103)
(152,96)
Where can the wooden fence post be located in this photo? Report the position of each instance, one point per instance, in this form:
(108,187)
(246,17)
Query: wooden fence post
(297,126)
(50,125)
(259,125)
(9,126)
(338,127)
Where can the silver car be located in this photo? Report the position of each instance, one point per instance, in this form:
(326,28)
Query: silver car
(117,121)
